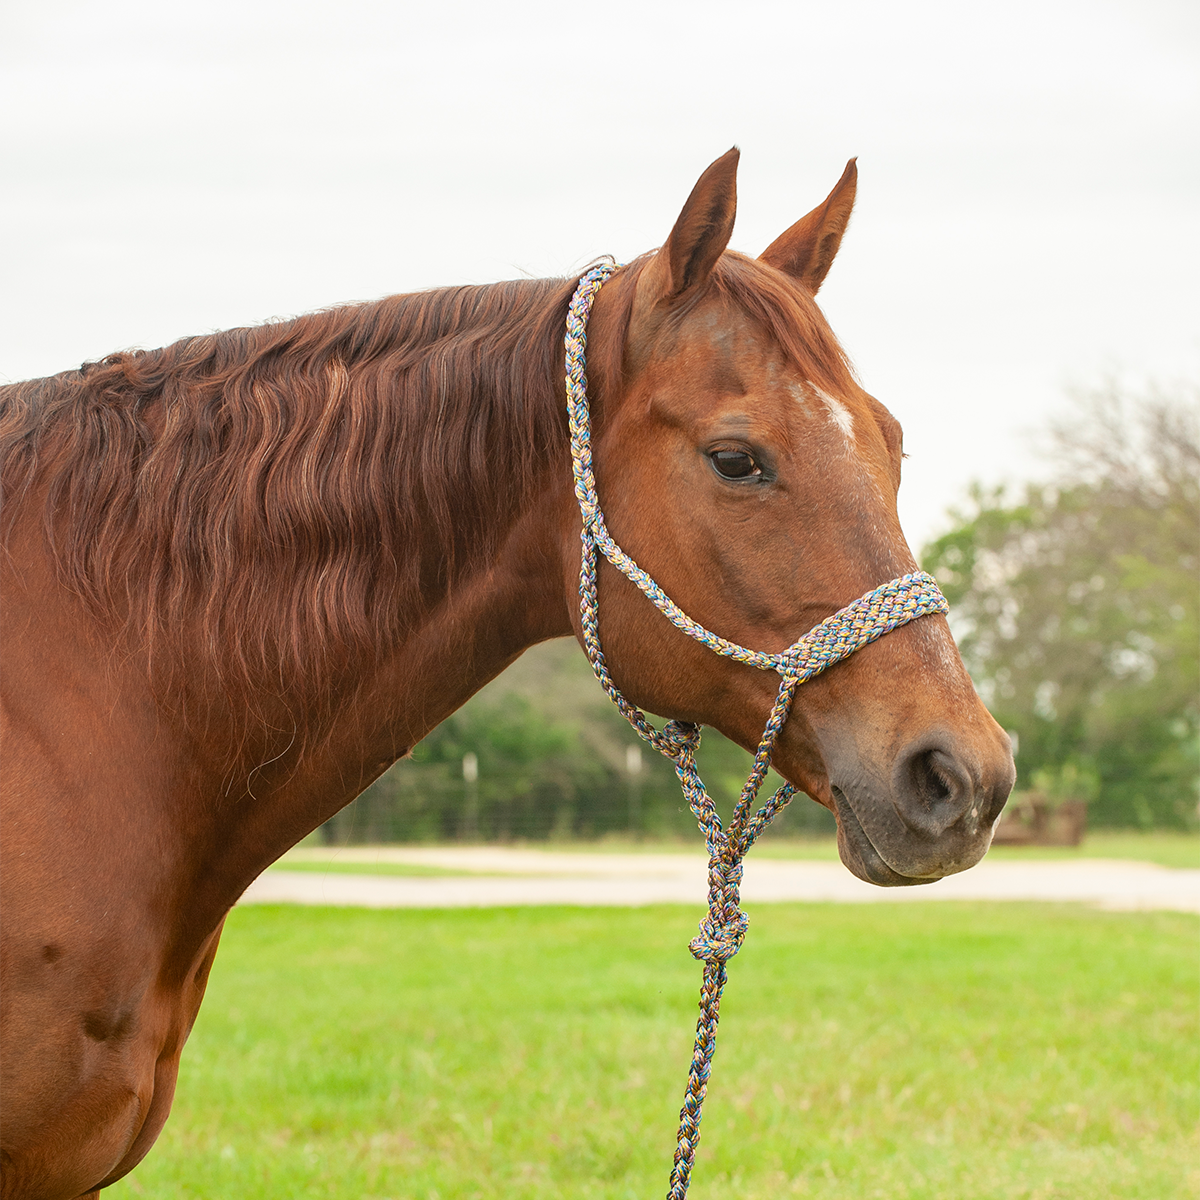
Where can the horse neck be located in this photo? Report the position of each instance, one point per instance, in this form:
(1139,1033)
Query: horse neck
(233,769)
(460,643)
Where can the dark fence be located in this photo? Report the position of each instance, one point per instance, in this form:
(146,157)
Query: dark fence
(541,754)
(506,772)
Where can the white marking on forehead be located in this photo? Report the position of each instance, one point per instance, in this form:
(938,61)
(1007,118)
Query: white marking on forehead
(839,414)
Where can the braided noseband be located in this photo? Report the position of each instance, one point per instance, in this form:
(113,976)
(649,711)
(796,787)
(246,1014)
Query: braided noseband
(878,612)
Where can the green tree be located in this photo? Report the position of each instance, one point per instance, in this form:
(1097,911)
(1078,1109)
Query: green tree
(1076,607)
(552,758)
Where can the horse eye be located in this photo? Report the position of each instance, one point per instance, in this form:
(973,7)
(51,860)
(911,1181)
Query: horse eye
(735,464)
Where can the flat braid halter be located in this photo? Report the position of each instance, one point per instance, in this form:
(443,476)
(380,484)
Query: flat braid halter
(878,612)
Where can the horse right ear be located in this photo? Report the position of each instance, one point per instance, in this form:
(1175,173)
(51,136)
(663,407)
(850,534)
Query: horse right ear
(806,250)
(681,267)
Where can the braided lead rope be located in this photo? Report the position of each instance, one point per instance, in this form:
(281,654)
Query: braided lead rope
(885,608)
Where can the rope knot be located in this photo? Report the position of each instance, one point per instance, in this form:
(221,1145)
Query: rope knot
(681,734)
(724,929)
(719,941)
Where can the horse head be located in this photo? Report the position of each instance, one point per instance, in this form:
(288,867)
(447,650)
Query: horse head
(740,462)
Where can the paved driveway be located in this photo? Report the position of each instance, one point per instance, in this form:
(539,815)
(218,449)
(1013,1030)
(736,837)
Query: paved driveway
(490,876)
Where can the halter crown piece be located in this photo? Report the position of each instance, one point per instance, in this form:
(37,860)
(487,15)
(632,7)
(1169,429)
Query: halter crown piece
(878,612)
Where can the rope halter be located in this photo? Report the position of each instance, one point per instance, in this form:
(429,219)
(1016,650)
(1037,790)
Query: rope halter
(885,608)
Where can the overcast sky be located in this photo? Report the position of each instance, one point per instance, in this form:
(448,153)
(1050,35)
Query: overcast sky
(1028,201)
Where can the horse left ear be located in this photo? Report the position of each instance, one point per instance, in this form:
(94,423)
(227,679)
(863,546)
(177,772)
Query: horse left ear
(806,251)
(698,239)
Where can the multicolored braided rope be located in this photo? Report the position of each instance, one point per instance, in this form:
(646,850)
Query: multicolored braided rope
(878,612)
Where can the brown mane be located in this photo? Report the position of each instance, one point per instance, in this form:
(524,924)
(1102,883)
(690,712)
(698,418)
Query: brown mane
(281,496)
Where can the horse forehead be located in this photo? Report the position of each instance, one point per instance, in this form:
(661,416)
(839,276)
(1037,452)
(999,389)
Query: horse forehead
(722,345)
(712,356)
(722,349)
(724,335)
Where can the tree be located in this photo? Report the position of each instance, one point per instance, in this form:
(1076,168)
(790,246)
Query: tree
(1076,607)
(552,759)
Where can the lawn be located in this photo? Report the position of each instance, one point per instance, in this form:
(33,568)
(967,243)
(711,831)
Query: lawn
(1167,849)
(965,1051)
(1164,848)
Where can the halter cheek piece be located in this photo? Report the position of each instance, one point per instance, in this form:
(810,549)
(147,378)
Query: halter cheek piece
(878,612)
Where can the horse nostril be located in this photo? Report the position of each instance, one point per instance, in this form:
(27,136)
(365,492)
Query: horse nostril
(933,791)
(934,777)
(929,780)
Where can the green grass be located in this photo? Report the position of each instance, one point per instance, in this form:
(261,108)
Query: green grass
(1168,849)
(341,867)
(973,1052)
(1165,849)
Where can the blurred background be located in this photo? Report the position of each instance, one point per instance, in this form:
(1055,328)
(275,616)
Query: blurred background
(1018,286)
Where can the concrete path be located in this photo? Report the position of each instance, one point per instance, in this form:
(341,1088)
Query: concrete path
(498,877)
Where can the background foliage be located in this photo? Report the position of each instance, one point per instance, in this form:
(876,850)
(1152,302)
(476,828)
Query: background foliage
(1075,605)
(552,753)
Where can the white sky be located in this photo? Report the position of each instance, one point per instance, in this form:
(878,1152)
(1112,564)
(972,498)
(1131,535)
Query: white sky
(1028,199)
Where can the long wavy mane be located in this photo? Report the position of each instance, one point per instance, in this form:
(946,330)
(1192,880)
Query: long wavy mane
(280,495)
(283,500)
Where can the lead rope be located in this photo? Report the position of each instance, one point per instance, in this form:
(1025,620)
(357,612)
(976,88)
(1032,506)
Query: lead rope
(878,612)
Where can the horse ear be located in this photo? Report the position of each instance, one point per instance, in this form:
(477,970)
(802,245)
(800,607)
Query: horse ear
(698,239)
(806,251)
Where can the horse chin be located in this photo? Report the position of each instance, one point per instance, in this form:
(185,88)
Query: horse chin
(859,855)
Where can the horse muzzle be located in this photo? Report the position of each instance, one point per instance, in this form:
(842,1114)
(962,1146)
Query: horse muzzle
(930,815)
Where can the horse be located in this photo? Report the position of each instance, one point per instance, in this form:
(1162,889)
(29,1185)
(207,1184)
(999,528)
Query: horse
(244,574)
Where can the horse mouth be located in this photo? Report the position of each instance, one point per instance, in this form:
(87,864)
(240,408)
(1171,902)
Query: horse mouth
(859,855)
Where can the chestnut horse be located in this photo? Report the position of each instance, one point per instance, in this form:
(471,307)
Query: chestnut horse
(246,573)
